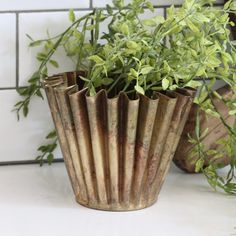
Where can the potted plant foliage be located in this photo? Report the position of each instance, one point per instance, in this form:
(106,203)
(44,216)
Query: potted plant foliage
(120,115)
(208,139)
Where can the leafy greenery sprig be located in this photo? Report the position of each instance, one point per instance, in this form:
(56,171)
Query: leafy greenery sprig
(150,55)
(46,151)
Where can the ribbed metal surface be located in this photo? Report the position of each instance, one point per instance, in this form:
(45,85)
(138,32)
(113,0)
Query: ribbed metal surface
(117,150)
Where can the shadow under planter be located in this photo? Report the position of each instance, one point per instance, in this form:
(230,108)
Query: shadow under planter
(117,150)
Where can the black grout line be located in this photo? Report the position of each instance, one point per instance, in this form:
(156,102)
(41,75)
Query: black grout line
(165,13)
(83,9)
(27,162)
(12,88)
(8,88)
(17,50)
(45,10)
(164,9)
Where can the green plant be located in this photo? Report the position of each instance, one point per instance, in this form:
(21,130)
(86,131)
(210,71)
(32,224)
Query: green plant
(189,47)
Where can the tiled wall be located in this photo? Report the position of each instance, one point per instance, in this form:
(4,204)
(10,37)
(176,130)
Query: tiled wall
(19,140)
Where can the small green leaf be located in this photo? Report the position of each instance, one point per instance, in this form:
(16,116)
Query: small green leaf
(96,59)
(165,84)
(200,71)
(90,27)
(193,84)
(146,70)
(51,147)
(149,22)
(41,56)
(166,67)
(77,34)
(192,26)
(233,6)
(44,72)
(150,6)
(201,17)
(109,9)
(39,94)
(215,93)
(18,103)
(51,135)
(92,91)
(22,91)
(159,19)
(50,158)
(212,113)
(34,78)
(35,43)
(199,165)
(204,134)
(25,110)
(132,45)
(124,29)
(84,79)
(232,23)
(134,72)
(173,87)
(139,89)
(232,112)
(155,21)
(226,6)
(71,15)
(54,63)
(107,81)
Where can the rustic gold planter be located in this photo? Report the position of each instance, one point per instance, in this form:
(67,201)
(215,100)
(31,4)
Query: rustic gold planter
(117,150)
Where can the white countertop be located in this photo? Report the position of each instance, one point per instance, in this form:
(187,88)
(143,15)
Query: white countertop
(38,201)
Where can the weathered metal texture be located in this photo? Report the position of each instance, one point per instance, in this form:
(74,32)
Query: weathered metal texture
(216,131)
(49,85)
(117,150)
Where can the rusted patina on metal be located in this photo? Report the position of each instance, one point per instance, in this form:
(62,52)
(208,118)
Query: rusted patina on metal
(117,150)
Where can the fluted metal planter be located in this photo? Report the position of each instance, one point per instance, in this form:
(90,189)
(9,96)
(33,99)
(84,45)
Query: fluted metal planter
(117,150)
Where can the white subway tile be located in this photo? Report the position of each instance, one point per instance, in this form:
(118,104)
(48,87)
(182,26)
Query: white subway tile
(37,25)
(20,140)
(148,14)
(7,50)
(165,2)
(172,2)
(42,4)
(102,3)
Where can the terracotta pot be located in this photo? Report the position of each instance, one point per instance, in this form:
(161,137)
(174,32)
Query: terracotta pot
(216,131)
(117,150)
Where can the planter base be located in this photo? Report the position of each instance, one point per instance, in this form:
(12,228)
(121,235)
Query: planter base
(105,207)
